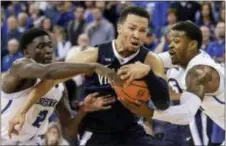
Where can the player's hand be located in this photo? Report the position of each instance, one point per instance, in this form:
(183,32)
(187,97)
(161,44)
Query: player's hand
(134,71)
(109,73)
(173,94)
(94,102)
(16,123)
(140,109)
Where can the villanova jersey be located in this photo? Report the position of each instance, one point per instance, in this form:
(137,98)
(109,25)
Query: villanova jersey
(37,118)
(118,117)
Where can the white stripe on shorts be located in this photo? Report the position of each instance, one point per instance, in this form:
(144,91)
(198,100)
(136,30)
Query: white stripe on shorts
(85,137)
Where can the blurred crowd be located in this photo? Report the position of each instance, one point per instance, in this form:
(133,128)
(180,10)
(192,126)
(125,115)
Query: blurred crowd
(74,26)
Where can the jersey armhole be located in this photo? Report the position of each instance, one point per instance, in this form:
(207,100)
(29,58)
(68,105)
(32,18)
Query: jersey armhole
(221,84)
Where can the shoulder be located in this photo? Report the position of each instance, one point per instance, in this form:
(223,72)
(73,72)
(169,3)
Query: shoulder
(206,75)
(155,63)
(153,58)
(22,61)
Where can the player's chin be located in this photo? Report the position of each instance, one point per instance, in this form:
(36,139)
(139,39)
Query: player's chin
(174,61)
(134,48)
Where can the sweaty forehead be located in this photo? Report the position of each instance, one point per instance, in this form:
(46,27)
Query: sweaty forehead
(137,20)
(41,39)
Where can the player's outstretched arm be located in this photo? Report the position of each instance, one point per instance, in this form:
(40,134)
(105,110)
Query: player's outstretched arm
(198,80)
(29,69)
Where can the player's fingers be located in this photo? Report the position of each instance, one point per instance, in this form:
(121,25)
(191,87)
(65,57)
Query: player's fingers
(95,94)
(106,107)
(109,101)
(123,70)
(129,81)
(125,76)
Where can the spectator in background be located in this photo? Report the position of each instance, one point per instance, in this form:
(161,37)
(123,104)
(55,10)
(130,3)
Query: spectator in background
(171,20)
(10,33)
(77,26)
(12,28)
(22,22)
(207,18)
(62,45)
(88,11)
(110,13)
(150,42)
(205,37)
(47,25)
(53,136)
(186,10)
(75,86)
(216,48)
(100,30)
(34,14)
(14,54)
(222,15)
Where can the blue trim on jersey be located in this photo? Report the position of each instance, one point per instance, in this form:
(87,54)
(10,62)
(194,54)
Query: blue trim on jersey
(221,102)
(7,106)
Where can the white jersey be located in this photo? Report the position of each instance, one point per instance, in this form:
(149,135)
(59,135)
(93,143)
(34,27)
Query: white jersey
(213,103)
(37,118)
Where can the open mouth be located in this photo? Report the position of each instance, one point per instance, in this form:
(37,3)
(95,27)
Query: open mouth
(172,54)
(135,44)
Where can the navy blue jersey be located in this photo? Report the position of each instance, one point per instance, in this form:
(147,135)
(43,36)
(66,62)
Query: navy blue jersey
(117,118)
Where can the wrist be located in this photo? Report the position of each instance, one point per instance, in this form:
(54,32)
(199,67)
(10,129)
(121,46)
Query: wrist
(147,69)
(82,108)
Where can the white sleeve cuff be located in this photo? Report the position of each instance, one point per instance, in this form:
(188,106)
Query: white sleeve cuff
(181,114)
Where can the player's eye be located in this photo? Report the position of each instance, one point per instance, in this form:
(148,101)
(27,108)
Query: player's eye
(131,28)
(142,30)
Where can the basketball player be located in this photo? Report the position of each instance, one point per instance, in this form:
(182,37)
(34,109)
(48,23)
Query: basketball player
(199,77)
(21,78)
(118,126)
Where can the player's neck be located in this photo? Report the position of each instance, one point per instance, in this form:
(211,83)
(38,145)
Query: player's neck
(120,49)
(189,58)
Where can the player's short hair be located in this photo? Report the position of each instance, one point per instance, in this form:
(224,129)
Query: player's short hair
(191,30)
(28,36)
(135,10)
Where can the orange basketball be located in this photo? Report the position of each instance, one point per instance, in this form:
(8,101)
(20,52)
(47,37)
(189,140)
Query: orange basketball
(137,90)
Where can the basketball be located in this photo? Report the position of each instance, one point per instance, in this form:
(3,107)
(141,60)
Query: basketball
(137,90)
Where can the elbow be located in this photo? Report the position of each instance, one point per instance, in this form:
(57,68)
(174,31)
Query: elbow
(187,119)
(162,105)
(162,101)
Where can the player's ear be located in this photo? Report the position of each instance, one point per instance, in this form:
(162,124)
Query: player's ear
(119,28)
(193,45)
(25,52)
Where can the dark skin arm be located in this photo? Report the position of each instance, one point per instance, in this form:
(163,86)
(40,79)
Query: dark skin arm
(27,69)
(202,79)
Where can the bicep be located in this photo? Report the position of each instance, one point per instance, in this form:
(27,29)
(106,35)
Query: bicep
(210,78)
(27,68)
(87,56)
(156,64)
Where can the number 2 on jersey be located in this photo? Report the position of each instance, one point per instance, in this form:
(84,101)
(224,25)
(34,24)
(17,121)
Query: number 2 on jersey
(41,117)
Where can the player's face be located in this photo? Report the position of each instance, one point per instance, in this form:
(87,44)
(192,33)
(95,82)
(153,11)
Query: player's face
(41,49)
(178,47)
(133,32)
